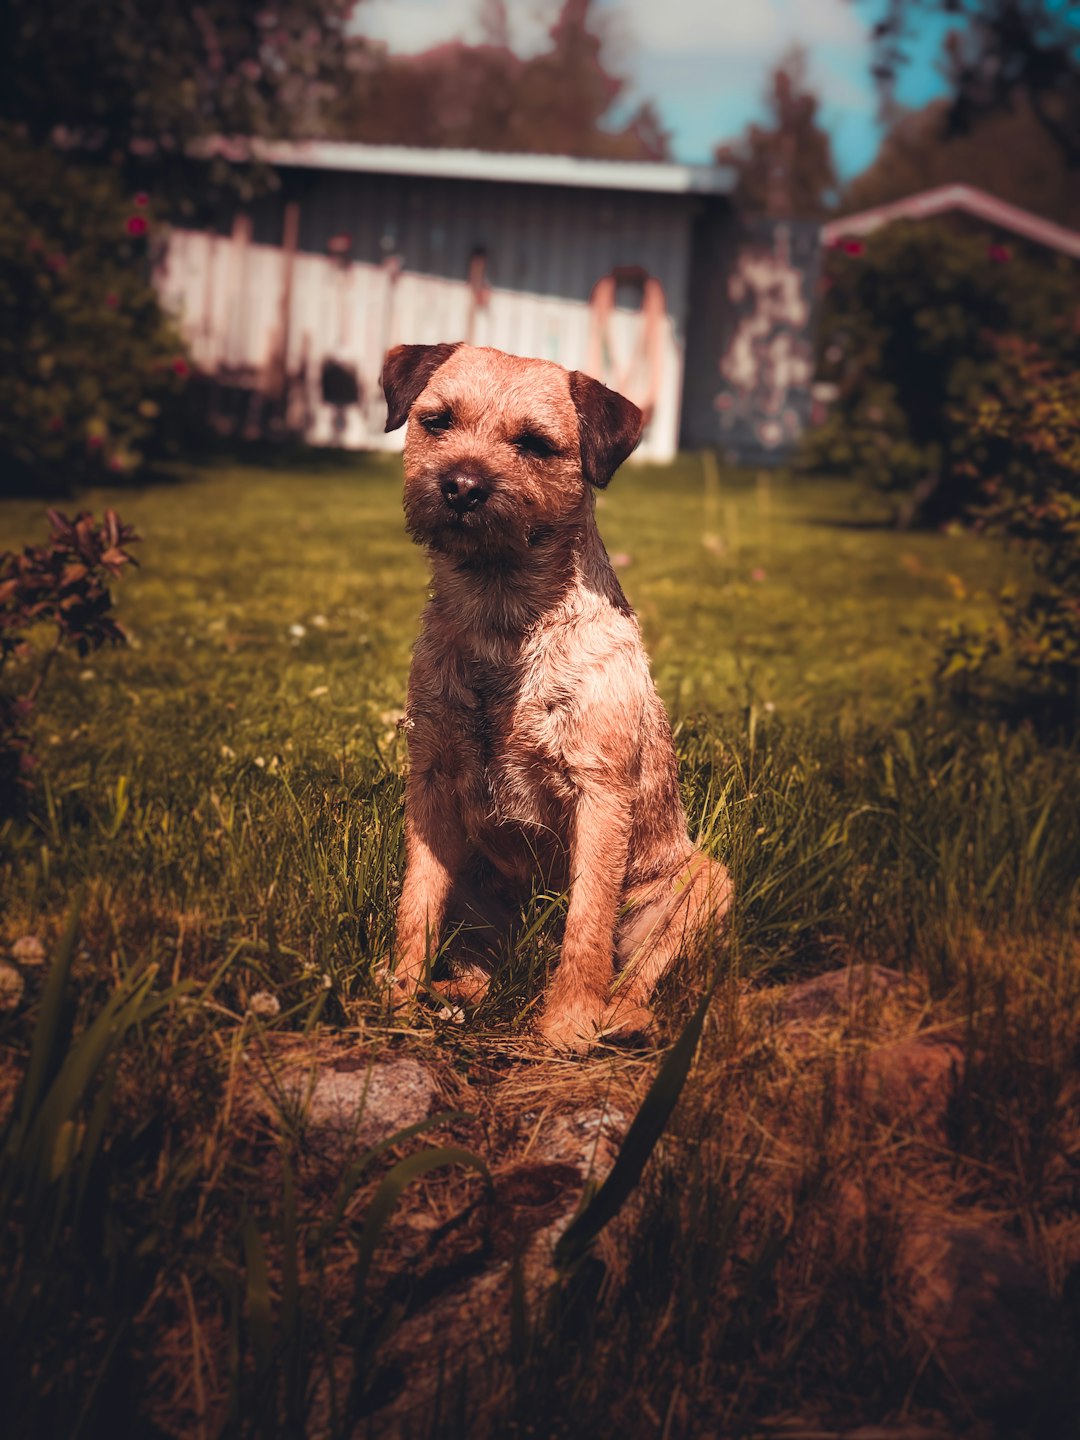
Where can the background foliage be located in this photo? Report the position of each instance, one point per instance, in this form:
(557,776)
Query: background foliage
(1025,460)
(908,336)
(89,363)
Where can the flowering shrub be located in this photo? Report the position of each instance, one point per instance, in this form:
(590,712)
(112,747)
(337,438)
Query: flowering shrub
(908,337)
(89,364)
(1024,459)
(62,584)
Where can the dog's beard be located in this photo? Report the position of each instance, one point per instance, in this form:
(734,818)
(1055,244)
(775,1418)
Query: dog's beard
(494,531)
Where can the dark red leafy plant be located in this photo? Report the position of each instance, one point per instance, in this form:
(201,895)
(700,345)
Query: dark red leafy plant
(64,584)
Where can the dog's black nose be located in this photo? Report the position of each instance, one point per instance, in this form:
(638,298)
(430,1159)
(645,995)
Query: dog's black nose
(464,492)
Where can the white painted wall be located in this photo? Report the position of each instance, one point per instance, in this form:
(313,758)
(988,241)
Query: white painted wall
(546,252)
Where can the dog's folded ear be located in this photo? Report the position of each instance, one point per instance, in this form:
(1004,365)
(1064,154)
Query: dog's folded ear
(406,370)
(609,425)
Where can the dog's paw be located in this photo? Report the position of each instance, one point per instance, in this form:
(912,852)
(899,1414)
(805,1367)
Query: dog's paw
(467,988)
(572,1031)
(625,1023)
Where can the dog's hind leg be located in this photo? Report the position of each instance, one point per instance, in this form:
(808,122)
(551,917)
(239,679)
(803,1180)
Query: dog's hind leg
(480,922)
(661,921)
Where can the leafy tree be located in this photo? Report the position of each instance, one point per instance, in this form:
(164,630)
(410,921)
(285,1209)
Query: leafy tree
(909,338)
(1023,457)
(784,167)
(490,98)
(999,50)
(136,81)
(89,364)
(1005,153)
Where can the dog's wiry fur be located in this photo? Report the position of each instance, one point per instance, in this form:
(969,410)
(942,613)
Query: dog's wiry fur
(537,742)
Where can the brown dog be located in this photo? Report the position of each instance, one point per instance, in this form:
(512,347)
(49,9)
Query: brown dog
(537,743)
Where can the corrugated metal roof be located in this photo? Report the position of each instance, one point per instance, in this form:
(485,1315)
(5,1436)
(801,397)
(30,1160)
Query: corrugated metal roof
(645,176)
(928,203)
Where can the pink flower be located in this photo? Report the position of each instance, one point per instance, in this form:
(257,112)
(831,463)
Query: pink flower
(999,254)
(181,367)
(853,247)
(142,199)
(115,463)
(136,225)
(757,574)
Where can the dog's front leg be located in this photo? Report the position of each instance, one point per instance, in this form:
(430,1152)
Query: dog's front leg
(434,854)
(579,994)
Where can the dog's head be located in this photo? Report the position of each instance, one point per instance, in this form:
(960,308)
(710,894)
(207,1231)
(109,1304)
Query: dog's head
(500,451)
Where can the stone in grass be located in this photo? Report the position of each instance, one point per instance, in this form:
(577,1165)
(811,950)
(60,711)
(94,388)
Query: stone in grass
(466,1324)
(913,1079)
(987,1318)
(834,995)
(353,1102)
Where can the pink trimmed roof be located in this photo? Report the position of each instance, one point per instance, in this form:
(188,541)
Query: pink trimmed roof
(927,203)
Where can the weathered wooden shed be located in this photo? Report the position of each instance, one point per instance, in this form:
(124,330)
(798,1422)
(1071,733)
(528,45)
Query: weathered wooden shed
(291,302)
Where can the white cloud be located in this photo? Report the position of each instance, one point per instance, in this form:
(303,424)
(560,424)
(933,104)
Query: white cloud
(745,27)
(408,26)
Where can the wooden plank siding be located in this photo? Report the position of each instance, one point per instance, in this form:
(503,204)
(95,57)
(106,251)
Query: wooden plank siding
(405,279)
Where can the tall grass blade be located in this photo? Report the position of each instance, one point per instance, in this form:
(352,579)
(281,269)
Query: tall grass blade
(390,1191)
(257,1295)
(49,1042)
(641,1140)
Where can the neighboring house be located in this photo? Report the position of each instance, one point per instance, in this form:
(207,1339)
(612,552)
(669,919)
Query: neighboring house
(957,200)
(638,273)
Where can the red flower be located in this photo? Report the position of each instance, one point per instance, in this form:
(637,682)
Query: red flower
(853,247)
(142,199)
(181,367)
(93,442)
(34,243)
(136,225)
(999,254)
(57,262)
(112,300)
(56,423)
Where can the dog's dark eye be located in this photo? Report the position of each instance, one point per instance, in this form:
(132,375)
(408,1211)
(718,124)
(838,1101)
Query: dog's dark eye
(529,443)
(438,423)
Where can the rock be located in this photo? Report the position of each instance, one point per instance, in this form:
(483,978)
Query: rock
(351,1102)
(914,1080)
(984,1312)
(838,993)
(468,1323)
(587,1139)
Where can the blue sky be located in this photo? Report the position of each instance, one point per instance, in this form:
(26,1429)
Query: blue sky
(705,62)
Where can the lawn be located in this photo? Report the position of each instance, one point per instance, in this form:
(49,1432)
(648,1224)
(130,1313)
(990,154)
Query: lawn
(220,805)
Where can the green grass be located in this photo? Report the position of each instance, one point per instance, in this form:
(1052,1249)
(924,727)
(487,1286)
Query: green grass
(224,796)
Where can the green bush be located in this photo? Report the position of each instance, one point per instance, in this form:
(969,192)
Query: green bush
(89,363)
(1024,460)
(909,336)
